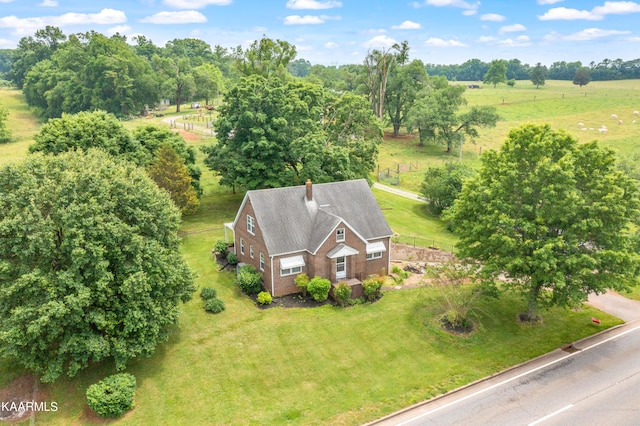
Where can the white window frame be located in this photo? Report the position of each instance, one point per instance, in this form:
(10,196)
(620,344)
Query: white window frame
(251,251)
(291,271)
(251,225)
(374,255)
(340,235)
(261,261)
(241,246)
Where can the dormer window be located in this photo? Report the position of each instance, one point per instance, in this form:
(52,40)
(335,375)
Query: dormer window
(251,225)
(339,235)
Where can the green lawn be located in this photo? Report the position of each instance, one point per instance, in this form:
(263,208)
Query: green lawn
(22,123)
(308,366)
(559,103)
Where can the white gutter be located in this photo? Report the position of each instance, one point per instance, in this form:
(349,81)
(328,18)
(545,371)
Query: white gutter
(272,285)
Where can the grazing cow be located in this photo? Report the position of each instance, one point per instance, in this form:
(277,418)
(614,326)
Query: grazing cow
(615,117)
(619,121)
(580,124)
(603,129)
(635,113)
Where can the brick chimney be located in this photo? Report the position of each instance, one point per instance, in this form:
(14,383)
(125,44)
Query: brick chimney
(309,190)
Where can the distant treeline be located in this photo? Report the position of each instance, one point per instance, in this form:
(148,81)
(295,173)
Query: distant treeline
(475,69)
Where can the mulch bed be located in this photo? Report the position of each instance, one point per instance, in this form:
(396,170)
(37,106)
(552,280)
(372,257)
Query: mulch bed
(292,301)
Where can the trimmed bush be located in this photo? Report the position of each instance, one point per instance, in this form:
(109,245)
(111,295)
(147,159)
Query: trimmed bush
(208,293)
(222,248)
(215,306)
(302,280)
(319,288)
(371,287)
(264,298)
(342,293)
(113,395)
(249,280)
(232,259)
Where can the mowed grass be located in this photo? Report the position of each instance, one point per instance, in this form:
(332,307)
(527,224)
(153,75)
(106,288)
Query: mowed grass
(22,124)
(561,104)
(309,366)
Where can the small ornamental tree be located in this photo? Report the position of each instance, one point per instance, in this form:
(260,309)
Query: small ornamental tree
(302,280)
(112,396)
(170,173)
(319,288)
(342,293)
(90,263)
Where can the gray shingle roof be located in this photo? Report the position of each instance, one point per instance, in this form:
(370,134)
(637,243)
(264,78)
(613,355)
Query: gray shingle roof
(290,223)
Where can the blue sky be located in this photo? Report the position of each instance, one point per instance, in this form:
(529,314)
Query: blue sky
(336,32)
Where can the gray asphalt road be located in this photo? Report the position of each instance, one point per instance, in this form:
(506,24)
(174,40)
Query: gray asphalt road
(595,385)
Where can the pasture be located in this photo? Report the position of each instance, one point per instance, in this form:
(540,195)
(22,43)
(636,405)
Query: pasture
(305,366)
(561,104)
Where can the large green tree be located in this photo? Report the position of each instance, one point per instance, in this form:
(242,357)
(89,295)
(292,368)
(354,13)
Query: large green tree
(87,130)
(265,57)
(273,133)
(497,72)
(438,116)
(538,75)
(90,266)
(582,76)
(553,216)
(442,184)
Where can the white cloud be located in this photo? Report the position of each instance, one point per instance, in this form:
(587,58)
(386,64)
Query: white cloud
(48,3)
(596,14)
(631,39)
(486,39)
(331,45)
(121,29)
(453,3)
(259,29)
(303,48)
(104,17)
(438,42)
(379,42)
(6,1)
(186,17)
(512,28)
(492,17)
(593,33)
(616,8)
(4,43)
(520,41)
(313,4)
(308,19)
(407,25)
(469,12)
(566,14)
(195,4)
(549,1)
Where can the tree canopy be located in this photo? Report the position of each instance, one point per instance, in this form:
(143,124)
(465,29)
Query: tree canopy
(442,184)
(582,76)
(538,75)
(170,173)
(552,215)
(5,132)
(90,267)
(273,133)
(497,72)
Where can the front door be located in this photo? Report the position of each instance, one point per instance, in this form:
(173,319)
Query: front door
(341,267)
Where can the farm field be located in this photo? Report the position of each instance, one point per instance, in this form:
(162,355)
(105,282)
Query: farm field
(561,104)
(305,366)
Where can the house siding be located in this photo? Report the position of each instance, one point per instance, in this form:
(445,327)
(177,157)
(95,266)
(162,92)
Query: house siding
(379,266)
(287,284)
(326,268)
(256,240)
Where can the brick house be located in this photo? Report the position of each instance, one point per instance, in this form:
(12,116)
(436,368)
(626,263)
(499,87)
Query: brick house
(332,230)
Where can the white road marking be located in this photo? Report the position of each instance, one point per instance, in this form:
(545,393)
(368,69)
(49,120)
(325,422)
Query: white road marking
(548,416)
(464,398)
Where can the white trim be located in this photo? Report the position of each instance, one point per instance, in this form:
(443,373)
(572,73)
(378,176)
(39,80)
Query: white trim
(341,250)
(251,223)
(241,245)
(374,255)
(343,235)
(261,261)
(273,288)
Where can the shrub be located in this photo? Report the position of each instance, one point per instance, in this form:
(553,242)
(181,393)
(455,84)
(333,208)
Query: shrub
(371,287)
(232,259)
(249,280)
(302,280)
(342,293)
(208,293)
(113,395)
(221,247)
(215,306)
(319,288)
(264,298)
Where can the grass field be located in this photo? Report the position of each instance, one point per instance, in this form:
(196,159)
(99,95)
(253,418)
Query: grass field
(306,366)
(559,103)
